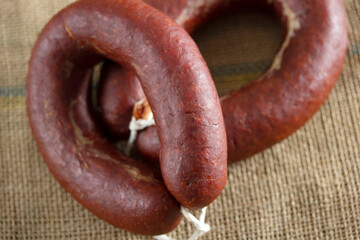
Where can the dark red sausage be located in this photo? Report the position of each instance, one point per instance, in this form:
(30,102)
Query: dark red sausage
(118,116)
(303,73)
(178,85)
(116,98)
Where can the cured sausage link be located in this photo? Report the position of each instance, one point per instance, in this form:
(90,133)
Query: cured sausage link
(286,96)
(121,191)
(116,99)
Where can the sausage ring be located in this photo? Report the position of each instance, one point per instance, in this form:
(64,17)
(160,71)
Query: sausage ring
(181,93)
(267,110)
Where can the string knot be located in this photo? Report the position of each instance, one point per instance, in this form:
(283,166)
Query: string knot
(142,118)
(200,225)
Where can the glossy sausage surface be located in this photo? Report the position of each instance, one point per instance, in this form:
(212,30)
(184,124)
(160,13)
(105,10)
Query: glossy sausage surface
(178,85)
(290,92)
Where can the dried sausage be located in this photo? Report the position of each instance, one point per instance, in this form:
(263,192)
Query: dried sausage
(288,94)
(178,85)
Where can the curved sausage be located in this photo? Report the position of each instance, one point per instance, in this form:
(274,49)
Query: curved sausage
(118,116)
(116,99)
(290,92)
(178,85)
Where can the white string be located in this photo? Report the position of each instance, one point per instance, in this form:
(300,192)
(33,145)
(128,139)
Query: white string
(135,126)
(162,237)
(200,225)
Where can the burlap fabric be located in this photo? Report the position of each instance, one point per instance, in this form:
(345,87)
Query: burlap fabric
(306,187)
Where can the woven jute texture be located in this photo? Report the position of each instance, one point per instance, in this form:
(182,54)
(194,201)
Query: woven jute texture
(306,187)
